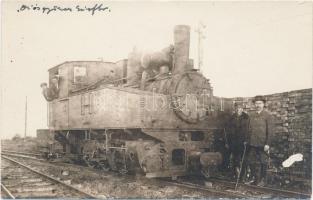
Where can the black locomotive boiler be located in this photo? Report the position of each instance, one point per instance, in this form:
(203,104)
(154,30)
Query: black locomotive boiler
(151,113)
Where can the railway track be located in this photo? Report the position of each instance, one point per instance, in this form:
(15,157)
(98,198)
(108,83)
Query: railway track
(189,186)
(210,192)
(243,191)
(22,153)
(20,181)
(226,187)
(216,192)
(268,190)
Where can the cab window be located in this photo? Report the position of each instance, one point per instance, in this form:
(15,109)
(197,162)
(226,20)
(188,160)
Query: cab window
(80,74)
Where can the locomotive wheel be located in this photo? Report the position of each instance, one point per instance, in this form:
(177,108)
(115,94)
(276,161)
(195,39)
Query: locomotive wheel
(103,165)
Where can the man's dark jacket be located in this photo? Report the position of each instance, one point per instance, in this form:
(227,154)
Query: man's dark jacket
(237,129)
(261,128)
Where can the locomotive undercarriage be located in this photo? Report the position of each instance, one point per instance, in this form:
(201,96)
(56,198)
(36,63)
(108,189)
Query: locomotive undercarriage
(134,151)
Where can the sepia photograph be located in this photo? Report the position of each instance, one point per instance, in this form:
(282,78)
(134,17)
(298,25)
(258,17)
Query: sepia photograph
(156,99)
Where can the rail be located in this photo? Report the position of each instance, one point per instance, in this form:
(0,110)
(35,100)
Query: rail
(7,191)
(51,178)
(275,191)
(223,194)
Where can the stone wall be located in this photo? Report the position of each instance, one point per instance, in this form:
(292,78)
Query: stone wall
(292,113)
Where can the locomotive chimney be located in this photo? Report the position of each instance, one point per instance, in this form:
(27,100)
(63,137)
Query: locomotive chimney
(181,48)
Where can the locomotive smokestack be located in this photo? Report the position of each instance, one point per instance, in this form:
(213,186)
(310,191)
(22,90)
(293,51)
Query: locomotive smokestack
(181,48)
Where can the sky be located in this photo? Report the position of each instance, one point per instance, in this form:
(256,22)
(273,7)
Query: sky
(250,48)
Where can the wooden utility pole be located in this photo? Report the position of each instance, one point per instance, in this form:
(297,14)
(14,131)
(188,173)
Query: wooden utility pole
(201,37)
(25,131)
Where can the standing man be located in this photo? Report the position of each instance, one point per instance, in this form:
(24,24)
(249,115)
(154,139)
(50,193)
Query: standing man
(46,92)
(221,143)
(237,132)
(52,92)
(259,140)
(54,87)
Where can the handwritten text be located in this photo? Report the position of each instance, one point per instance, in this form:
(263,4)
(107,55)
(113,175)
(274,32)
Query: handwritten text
(53,9)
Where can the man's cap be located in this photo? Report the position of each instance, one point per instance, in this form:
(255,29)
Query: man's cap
(259,98)
(238,104)
(43,84)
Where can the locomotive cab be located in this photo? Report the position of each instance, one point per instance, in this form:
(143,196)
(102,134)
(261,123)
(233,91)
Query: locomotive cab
(75,76)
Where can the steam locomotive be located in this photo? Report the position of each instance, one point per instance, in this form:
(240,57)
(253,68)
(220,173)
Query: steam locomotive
(152,113)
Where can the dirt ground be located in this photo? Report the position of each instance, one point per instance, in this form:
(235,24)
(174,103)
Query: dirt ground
(108,184)
(112,185)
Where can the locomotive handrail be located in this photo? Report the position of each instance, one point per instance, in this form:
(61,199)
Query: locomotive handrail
(63,99)
(98,82)
(126,78)
(94,85)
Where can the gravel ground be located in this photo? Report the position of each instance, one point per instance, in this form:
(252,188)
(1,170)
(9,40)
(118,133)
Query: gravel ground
(112,185)
(106,184)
